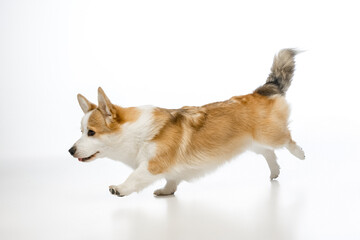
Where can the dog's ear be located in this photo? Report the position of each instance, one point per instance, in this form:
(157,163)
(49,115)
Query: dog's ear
(85,104)
(105,106)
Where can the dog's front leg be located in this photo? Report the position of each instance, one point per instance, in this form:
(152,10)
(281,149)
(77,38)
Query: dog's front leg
(138,180)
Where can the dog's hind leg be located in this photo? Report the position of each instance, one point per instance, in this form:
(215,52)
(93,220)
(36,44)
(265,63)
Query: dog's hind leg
(270,157)
(168,189)
(295,150)
(138,180)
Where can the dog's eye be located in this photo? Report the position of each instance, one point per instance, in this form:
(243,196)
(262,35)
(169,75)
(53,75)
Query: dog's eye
(91,133)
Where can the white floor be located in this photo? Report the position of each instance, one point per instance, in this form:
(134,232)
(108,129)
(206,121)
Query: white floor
(318,198)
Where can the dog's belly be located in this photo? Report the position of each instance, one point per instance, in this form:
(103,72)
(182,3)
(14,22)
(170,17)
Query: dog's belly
(197,168)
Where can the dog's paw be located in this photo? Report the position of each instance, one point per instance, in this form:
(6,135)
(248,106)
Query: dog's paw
(114,190)
(297,151)
(273,177)
(274,174)
(300,154)
(164,192)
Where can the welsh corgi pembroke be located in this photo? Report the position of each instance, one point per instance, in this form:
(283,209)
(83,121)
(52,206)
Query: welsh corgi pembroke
(186,143)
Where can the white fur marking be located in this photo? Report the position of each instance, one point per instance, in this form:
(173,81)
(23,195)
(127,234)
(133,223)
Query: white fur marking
(138,180)
(296,150)
(132,145)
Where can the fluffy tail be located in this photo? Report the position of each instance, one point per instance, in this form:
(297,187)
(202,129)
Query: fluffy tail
(282,71)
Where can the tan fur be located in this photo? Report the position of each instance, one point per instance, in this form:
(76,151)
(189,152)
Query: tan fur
(218,130)
(98,123)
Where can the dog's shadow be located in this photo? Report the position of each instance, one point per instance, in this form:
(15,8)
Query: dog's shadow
(196,220)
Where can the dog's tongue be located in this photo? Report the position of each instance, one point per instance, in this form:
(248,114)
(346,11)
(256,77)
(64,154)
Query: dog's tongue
(80,159)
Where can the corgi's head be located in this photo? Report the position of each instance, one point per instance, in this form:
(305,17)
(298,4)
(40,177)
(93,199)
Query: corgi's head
(99,126)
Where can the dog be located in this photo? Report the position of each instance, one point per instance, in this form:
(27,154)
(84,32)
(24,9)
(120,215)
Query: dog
(186,143)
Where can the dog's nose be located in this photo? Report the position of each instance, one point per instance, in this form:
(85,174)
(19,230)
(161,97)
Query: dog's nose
(72,150)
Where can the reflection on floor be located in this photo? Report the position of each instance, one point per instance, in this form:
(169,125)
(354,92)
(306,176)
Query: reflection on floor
(62,199)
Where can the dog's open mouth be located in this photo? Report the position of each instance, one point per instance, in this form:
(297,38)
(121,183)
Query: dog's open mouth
(87,158)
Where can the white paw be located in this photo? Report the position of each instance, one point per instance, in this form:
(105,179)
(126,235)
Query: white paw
(274,173)
(118,191)
(164,192)
(299,153)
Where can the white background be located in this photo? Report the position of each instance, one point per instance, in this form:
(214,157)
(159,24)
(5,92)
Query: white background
(170,54)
